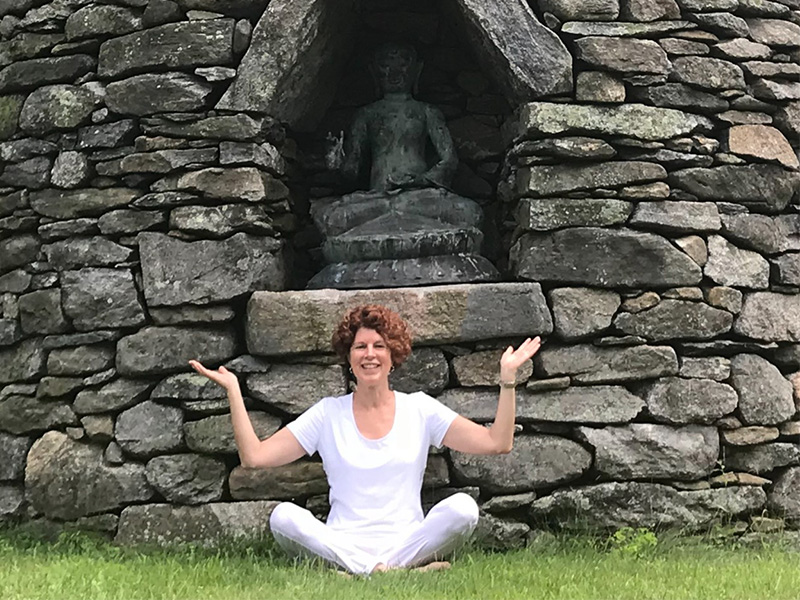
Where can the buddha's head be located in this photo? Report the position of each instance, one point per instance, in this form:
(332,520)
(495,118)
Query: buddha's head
(396,67)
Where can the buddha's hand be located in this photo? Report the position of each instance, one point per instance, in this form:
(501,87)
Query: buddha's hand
(334,157)
(513,359)
(220,376)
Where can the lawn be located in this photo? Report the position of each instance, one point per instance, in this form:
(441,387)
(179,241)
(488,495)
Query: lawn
(80,567)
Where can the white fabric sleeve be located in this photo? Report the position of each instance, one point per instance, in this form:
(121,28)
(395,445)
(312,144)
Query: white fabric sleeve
(438,418)
(308,426)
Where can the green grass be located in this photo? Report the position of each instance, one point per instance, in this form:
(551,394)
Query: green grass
(80,567)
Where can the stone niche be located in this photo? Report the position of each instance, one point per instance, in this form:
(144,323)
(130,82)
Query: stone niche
(310,66)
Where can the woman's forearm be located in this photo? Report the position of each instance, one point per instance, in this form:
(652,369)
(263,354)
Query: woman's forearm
(247,441)
(502,429)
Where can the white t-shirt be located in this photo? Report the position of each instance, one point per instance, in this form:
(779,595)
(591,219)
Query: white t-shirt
(374,484)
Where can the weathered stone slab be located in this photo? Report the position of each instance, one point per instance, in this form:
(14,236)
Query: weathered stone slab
(770,317)
(784,498)
(581,10)
(676,216)
(551,180)
(774,32)
(206,525)
(154,93)
(65,479)
(762,233)
(12,501)
(630,120)
(493,533)
(617,29)
(22,362)
(56,107)
(74,253)
(101,298)
(580,312)
(649,10)
(762,142)
(295,322)
(177,272)
(768,188)
(530,61)
(763,458)
(584,404)
(676,319)
(149,429)
(23,414)
(172,46)
(624,55)
(221,221)
(187,386)
(238,127)
(749,436)
(678,95)
(544,214)
(295,480)
(187,478)
(708,73)
(293,62)
(644,450)
(214,434)
(13,452)
(732,266)
(561,257)
(233,184)
(536,460)
(765,396)
(38,72)
(80,360)
(677,400)
(112,397)
(483,369)
(18,251)
(161,350)
(70,204)
(716,368)
(592,364)
(425,370)
(99,21)
(40,312)
(296,388)
(633,504)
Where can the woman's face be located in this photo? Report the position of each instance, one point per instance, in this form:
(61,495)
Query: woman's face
(370,357)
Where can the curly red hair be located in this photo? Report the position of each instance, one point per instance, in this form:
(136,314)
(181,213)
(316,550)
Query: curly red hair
(386,322)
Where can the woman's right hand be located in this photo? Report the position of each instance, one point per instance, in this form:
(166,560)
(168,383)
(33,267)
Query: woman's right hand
(220,376)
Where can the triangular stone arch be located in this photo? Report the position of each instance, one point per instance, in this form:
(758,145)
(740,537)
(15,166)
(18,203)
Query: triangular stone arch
(299,46)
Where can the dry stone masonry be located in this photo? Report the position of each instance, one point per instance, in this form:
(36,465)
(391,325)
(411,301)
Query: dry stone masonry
(636,164)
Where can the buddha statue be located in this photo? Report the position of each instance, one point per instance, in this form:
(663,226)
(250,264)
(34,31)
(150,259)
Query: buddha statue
(408,228)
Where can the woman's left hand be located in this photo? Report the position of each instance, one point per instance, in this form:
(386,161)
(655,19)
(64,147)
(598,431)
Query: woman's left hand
(513,359)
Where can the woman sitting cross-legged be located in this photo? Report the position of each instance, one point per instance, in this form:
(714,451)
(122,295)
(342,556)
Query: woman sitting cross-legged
(374,446)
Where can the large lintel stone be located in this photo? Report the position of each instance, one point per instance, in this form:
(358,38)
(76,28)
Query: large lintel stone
(177,272)
(298,322)
(603,258)
(551,180)
(528,59)
(295,55)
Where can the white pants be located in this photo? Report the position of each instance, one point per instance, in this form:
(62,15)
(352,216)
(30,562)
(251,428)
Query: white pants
(446,526)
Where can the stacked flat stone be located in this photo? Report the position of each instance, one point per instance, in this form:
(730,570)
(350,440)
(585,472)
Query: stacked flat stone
(649,218)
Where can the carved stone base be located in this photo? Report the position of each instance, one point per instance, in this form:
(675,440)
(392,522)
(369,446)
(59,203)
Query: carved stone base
(408,272)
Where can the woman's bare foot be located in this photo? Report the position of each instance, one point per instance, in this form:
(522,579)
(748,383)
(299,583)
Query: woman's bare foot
(434,566)
(380,568)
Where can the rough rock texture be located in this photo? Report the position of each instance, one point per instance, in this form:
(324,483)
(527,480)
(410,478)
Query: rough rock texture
(560,257)
(770,317)
(294,322)
(579,312)
(13,452)
(214,435)
(425,370)
(591,364)
(632,504)
(536,460)
(783,499)
(101,298)
(288,482)
(65,479)
(763,458)
(149,94)
(156,350)
(207,525)
(676,319)
(677,400)
(483,369)
(187,478)
(149,429)
(295,388)
(177,272)
(765,396)
(643,450)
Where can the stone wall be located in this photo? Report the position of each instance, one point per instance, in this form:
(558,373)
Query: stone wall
(646,218)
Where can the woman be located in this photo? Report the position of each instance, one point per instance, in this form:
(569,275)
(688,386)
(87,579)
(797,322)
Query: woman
(374,445)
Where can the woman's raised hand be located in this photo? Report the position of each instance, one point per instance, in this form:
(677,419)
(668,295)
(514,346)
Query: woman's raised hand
(513,359)
(221,376)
